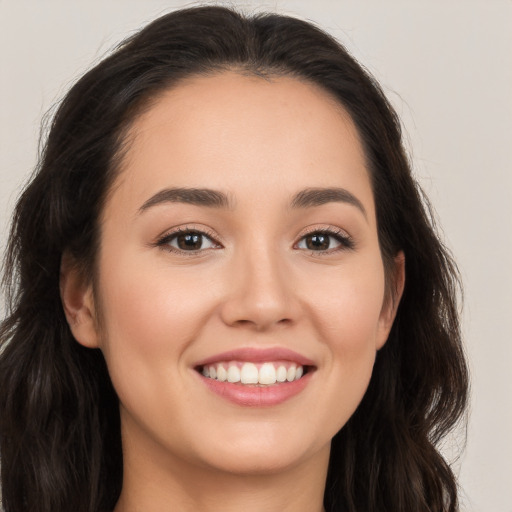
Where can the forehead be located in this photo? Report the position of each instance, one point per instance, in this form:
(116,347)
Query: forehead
(244,134)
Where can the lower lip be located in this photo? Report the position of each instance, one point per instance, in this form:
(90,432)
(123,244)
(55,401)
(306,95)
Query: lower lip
(256,396)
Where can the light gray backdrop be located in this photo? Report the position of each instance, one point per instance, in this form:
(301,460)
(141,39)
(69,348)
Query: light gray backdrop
(445,65)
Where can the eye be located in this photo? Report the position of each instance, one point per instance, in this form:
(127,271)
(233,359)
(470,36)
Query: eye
(187,240)
(325,241)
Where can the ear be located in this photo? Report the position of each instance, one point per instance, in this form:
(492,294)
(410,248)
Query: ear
(78,302)
(392,299)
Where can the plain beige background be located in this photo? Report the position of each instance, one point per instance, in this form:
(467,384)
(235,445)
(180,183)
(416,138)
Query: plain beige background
(447,68)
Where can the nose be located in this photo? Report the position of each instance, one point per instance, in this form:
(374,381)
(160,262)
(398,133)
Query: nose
(260,293)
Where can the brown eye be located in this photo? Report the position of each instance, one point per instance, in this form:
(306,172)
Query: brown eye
(188,241)
(323,241)
(318,242)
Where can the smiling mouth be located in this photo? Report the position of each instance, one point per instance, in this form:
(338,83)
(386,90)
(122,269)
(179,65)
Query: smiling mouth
(254,374)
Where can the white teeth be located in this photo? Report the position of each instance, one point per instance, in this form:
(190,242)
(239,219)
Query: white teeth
(233,374)
(267,374)
(281,374)
(222,374)
(249,374)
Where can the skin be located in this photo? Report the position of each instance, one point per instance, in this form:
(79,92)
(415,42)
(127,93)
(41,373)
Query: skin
(256,285)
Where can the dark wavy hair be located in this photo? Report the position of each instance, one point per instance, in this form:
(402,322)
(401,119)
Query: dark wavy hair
(59,414)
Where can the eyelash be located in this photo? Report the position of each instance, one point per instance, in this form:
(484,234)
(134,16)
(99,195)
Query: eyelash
(346,241)
(164,241)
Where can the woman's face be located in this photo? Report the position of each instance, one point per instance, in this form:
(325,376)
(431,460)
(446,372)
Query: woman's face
(239,242)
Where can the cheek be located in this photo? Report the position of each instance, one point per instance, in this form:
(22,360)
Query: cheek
(346,305)
(149,319)
(346,311)
(143,298)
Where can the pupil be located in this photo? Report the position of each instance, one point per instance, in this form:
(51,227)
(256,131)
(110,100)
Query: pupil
(189,241)
(316,242)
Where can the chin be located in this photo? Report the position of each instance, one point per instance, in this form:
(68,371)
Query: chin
(255,463)
(264,453)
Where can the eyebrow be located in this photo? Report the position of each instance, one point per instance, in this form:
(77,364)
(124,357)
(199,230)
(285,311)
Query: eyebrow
(209,198)
(311,197)
(196,196)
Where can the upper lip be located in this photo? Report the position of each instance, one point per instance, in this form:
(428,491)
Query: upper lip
(258,355)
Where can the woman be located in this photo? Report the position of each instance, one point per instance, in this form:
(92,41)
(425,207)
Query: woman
(225,289)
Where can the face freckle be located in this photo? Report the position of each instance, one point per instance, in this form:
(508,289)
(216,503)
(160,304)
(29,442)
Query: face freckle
(267,278)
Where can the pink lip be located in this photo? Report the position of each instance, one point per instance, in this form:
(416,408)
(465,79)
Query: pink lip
(256,396)
(258,355)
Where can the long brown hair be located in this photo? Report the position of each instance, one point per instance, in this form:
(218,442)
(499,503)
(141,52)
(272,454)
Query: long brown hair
(59,416)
